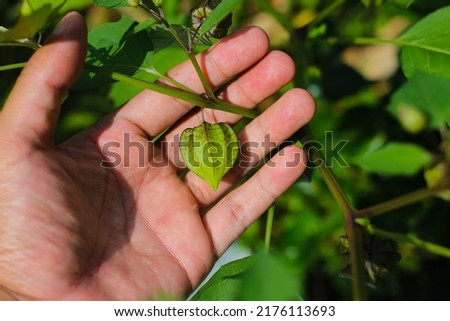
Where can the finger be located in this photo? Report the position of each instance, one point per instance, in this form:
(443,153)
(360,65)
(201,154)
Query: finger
(291,112)
(32,109)
(258,83)
(240,208)
(153,112)
(255,85)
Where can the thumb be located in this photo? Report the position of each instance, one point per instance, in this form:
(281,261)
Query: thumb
(32,109)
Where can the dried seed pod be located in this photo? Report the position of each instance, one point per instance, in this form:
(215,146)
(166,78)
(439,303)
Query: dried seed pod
(199,14)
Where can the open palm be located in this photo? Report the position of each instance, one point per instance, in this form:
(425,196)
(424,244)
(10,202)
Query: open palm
(105,215)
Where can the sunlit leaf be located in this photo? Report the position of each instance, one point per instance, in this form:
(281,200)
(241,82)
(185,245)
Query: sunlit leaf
(27,26)
(209,150)
(267,279)
(35,17)
(117,46)
(427,45)
(62,6)
(75,5)
(130,48)
(394,159)
(30,6)
(254,278)
(109,4)
(226,283)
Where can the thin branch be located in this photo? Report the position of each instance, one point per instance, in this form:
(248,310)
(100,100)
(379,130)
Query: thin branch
(318,160)
(13,66)
(357,260)
(353,234)
(198,69)
(195,99)
(397,202)
(26,44)
(269,224)
(326,12)
(413,240)
(378,41)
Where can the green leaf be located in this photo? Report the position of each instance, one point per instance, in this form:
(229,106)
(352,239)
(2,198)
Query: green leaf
(110,4)
(426,93)
(130,48)
(217,15)
(35,17)
(226,283)
(268,280)
(209,150)
(75,5)
(118,46)
(254,278)
(30,6)
(427,45)
(394,159)
(27,26)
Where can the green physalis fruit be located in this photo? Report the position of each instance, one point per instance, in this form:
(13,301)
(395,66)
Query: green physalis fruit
(209,151)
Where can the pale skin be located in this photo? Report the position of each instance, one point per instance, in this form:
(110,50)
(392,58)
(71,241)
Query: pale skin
(71,229)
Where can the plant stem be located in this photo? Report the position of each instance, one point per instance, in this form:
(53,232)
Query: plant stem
(313,152)
(175,83)
(353,234)
(378,41)
(269,224)
(195,99)
(13,66)
(357,260)
(398,202)
(159,16)
(326,12)
(198,69)
(413,240)
(27,44)
(318,160)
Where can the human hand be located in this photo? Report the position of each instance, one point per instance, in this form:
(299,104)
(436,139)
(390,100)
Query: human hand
(72,229)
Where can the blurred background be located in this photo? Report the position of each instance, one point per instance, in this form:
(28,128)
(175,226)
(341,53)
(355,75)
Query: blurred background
(353,87)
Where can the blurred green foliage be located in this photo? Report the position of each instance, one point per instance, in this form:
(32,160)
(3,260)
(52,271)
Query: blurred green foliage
(355,102)
(396,130)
